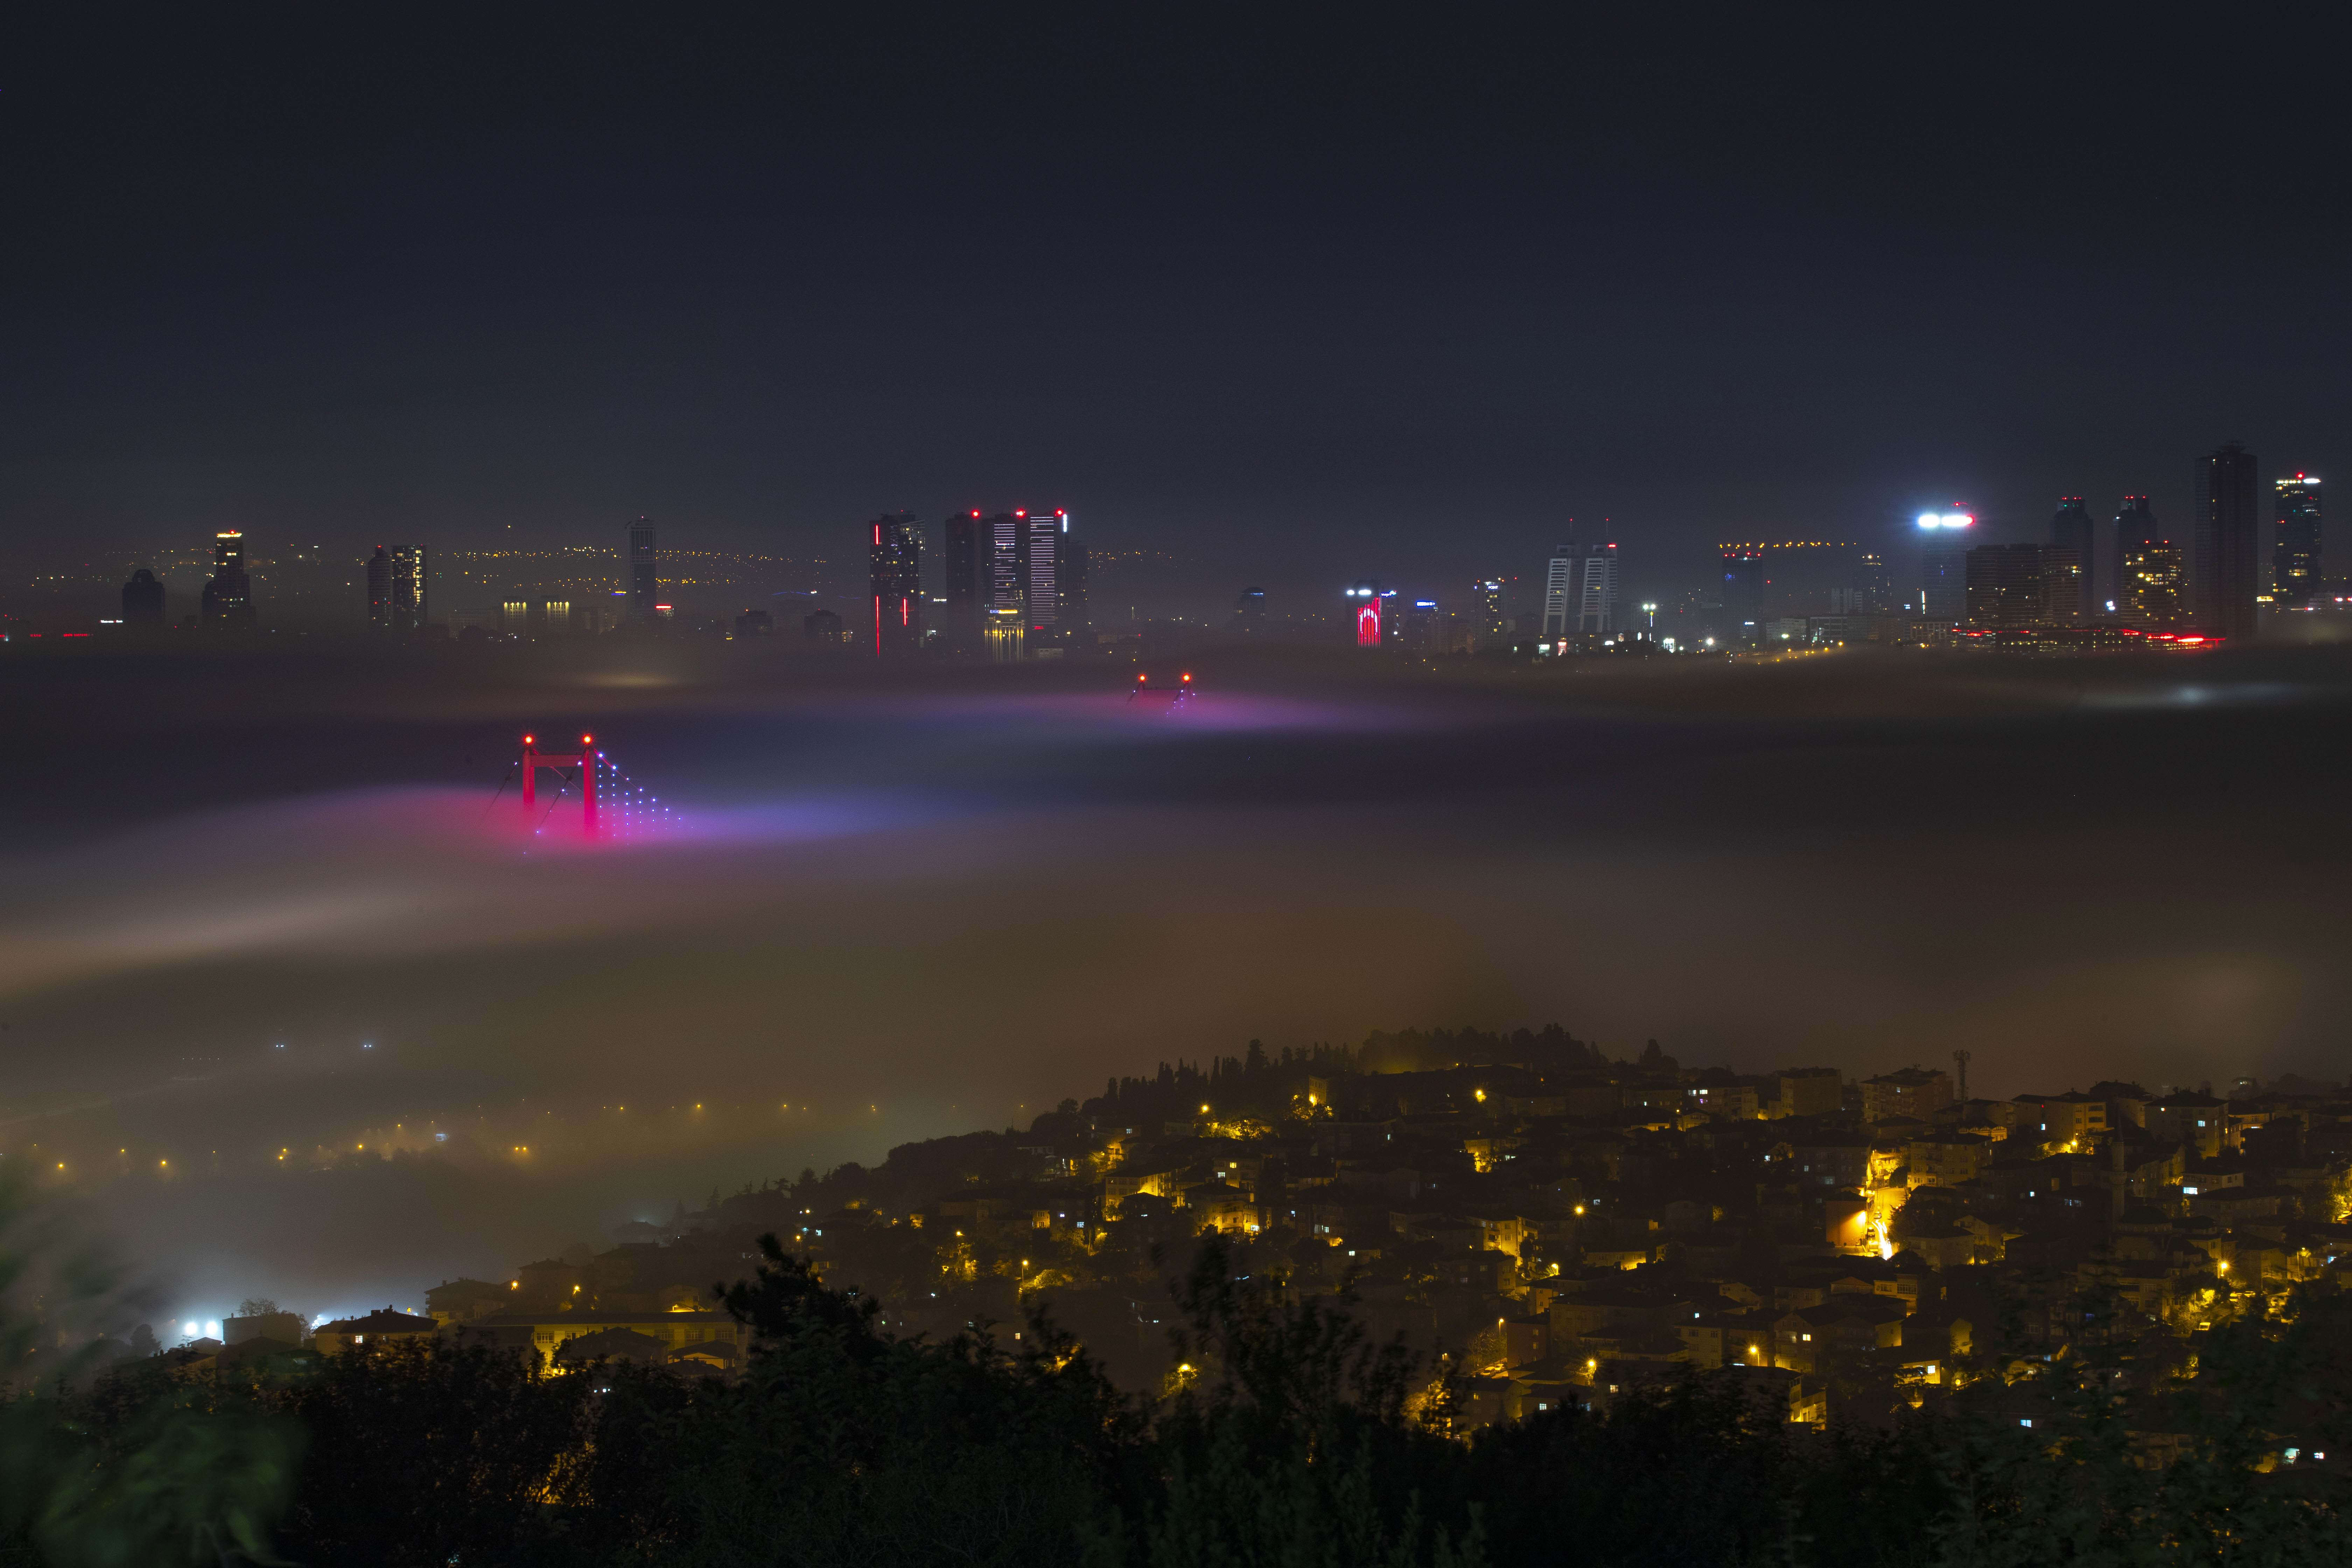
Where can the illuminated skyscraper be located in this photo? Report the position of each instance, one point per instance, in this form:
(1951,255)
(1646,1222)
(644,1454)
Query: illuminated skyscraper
(1596,591)
(2150,580)
(1493,623)
(229,596)
(1874,584)
(895,583)
(1560,600)
(2296,577)
(1040,537)
(1249,612)
(1002,567)
(395,588)
(644,570)
(1944,538)
(1743,594)
(2221,579)
(2074,529)
(1365,604)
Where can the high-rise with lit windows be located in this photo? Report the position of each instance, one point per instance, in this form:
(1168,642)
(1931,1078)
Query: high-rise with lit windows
(1493,623)
(1874,584)
(2074,529)
(228,596)
(895,583)
(2151,579)
(396,588)
(1040,535)
(2296,577)
(1559,603)
(1026,564)
(1596,591)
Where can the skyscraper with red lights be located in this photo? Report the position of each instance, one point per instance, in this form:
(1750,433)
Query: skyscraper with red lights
(2296,577)
(895,583)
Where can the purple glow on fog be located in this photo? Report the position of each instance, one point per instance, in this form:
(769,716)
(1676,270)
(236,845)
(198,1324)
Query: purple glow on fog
(1114,718)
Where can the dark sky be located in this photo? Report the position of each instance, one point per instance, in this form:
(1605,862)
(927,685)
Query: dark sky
(1299,293)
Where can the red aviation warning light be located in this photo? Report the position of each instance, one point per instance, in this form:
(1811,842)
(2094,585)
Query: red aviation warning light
(1165,698)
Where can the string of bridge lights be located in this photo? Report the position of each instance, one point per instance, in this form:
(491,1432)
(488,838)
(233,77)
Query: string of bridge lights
(638,808)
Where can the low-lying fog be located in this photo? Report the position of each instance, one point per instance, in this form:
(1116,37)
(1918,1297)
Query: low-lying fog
(263,911)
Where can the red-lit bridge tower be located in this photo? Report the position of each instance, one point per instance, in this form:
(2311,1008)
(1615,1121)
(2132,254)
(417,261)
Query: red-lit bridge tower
(533,759)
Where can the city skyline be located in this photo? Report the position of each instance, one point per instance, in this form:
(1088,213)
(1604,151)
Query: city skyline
(2153,591)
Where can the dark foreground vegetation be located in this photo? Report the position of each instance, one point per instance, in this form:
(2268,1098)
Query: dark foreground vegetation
(1290,1440)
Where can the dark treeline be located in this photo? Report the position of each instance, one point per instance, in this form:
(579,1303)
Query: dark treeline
(1254,1083)
(1546,1050)
(1267,1084)
(1290,1440)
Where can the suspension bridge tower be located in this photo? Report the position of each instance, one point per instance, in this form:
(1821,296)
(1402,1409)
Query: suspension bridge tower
(533,759)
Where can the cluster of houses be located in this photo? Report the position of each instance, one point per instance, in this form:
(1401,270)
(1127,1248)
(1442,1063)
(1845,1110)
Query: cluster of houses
(1546,1235)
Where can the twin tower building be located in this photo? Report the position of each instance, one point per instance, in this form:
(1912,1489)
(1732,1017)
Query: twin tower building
(1012,585)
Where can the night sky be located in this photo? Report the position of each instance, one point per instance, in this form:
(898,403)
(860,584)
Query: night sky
(1294,294)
